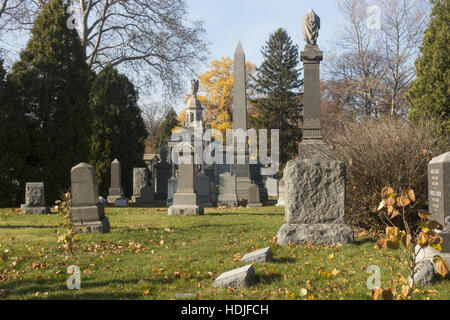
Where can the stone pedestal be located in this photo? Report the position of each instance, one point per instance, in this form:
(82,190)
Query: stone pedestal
(314,189)
(227,190)
(35,198)
(115,191)
(86,213)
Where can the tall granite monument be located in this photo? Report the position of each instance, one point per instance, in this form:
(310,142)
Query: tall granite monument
(241,171)
(86,212)
(115,191)
(314,182)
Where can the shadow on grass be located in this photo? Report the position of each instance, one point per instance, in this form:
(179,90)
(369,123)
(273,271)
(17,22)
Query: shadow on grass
(360,242)
(284,260)
(268,279)
(243,213)
(30,287)
(28,226)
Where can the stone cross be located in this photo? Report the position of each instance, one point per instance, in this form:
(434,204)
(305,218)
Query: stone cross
(311,57)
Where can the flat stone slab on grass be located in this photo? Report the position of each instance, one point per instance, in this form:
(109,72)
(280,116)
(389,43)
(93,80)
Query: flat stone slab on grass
(320,233)
(122,202)
(262,255)
(184,295)
(236,278)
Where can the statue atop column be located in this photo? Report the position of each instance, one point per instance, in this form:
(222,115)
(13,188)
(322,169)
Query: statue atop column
(311,26)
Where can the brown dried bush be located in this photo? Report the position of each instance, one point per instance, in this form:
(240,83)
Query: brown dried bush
(379,153)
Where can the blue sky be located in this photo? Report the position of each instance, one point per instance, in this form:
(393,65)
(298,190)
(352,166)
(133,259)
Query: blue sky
(251,22)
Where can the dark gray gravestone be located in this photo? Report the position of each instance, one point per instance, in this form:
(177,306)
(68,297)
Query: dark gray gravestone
(253,196)
(439,187)
(35,198)
(439,197)
(162,176)
(86,212)
(202,188)
(115,191)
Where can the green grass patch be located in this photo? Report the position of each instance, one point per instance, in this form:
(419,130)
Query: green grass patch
(150,255)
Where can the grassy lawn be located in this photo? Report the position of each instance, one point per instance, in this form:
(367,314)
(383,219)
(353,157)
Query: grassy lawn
(150,255)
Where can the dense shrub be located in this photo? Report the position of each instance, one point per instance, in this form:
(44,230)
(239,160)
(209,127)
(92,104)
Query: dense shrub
(380,153)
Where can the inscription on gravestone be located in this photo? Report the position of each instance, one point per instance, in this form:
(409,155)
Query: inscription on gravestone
(439,187)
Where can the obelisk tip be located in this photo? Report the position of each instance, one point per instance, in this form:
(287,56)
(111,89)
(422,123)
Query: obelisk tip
(239,48)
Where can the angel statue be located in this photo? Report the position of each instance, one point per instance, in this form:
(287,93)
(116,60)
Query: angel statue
(194,87)
(311,26)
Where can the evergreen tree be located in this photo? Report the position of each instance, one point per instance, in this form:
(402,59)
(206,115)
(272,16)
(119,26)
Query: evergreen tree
(118,129)
(52,83)
(165,130)
(429,94)
(278,81)
(12,144)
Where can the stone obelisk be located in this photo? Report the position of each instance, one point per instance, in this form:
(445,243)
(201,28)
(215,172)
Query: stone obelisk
(241,171)
(314,182)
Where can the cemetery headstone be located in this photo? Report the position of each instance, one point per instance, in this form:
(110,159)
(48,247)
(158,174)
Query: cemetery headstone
(115,191)
(227,190)
(171,189)
(35,198)
(202,188)
(280,201)
(272,187)
(253,196)
(314,182)
(236,278)
(162,176)
(439,197)
(140,180)
(146,197)
(261,255)
(86,213)
(185,200)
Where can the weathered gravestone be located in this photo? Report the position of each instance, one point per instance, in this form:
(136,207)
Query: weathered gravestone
(281,195)
(140,180)
(202,188)
(35,198)
(227,190)
(171,189)
(236,278)
(162,175)
(261,255)
(185,200)
(272,187)
(115,191)
(439,197)
(86,213)
(253,196)
(314,183)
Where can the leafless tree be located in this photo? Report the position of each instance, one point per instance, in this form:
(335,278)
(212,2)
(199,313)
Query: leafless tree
(403,23)
(153,114)
(375,65)
(152,40)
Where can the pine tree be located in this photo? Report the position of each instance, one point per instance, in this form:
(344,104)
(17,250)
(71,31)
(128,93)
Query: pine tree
(165,130)
(118,129)
(429,94)
(12,144)
(278,81)
(52,83)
